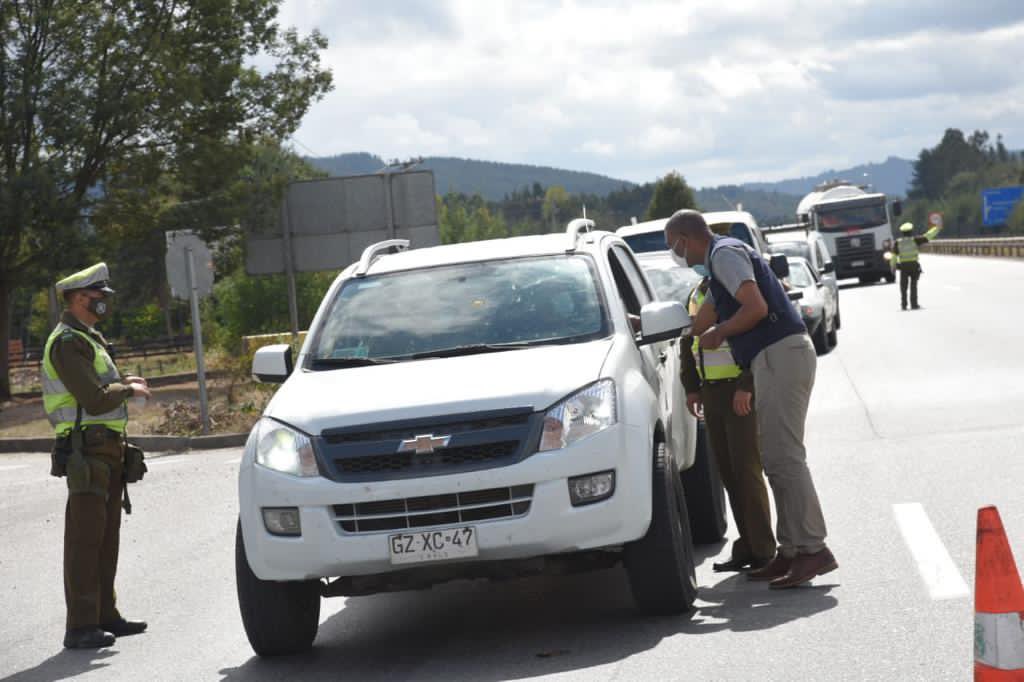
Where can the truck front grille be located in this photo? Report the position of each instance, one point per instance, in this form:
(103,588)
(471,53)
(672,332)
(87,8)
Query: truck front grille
(849,253)
(434,510)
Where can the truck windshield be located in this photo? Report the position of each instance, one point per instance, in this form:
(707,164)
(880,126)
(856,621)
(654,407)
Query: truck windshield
(851,217)
(470,307)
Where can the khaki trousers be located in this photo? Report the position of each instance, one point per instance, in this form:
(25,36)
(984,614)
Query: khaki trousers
(733,440)
(784,377)
(92,536)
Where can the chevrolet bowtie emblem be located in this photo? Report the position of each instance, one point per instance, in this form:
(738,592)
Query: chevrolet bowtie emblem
(424,445)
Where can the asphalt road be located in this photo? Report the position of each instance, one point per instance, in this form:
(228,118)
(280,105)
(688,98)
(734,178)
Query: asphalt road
(917,420)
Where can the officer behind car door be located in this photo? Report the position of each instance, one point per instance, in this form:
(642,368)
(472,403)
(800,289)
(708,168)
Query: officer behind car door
(714,381)
(84,397)
(907,254)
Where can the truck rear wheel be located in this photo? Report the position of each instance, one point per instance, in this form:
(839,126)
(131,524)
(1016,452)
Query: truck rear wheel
(279,617)
(660,564)
(705,495)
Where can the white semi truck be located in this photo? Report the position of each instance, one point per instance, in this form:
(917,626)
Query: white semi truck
(856,225)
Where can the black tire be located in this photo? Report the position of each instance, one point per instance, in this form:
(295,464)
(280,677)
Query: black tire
(839,319)
(890,277)
(660,564)
(820,339)
(705,495)
(280,618)
(833,336)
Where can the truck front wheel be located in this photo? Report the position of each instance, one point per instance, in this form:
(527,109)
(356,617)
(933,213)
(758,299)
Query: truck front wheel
(279,617)
(660,564)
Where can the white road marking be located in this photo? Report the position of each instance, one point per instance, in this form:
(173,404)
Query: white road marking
(939,573)
(12,467)
(952,287)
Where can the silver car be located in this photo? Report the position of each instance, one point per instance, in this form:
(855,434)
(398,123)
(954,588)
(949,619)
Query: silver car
(818,306)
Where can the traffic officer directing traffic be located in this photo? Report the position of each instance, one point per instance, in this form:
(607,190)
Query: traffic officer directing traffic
(747,305)
(723,391)
(84,392)
(907,255)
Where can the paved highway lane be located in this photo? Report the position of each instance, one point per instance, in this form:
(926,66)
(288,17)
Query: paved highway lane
(916,422)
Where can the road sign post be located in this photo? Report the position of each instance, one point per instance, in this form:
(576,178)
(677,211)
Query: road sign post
(184,251)
(197,335)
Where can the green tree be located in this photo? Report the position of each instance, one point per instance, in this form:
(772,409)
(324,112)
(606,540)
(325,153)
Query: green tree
(671,193)
(95,88)
(936,167)
(555,208)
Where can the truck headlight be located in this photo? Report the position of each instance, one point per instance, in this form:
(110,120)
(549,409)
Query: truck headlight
(584,413)
(284,449)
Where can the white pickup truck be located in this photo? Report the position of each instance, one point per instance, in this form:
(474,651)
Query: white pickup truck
(484,410)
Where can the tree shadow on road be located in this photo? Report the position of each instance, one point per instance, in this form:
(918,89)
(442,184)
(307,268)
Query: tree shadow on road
(64,665)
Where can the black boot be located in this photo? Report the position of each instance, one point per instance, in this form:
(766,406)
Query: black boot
(123,628)
(90,637)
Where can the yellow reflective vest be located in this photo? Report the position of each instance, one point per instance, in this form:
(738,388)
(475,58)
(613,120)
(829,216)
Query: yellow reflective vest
(61,407)
(712,365)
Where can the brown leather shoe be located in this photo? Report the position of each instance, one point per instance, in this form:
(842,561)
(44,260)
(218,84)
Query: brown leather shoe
(776,568)
(804,568)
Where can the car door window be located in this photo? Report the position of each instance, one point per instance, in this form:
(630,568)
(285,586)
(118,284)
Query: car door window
(627,291)
(636,278)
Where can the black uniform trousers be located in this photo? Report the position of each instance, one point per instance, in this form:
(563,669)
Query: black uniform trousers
(734,441)
(909,274)
(92,534)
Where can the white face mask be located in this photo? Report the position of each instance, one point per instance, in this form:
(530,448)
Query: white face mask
(680,260)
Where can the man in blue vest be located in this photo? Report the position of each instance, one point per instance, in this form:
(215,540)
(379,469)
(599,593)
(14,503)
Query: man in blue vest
(753,312)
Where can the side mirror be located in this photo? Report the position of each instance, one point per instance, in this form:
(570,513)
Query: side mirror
(663,321)
(828,267)
(779,265)
(272,364)
(897,208)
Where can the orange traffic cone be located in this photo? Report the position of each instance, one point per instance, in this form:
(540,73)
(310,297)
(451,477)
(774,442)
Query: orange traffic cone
(998,605)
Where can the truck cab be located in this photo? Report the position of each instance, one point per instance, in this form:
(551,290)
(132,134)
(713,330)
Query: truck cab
(856,226)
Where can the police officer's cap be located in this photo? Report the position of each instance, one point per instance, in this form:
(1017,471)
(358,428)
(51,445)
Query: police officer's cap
(906,228)
(95,277)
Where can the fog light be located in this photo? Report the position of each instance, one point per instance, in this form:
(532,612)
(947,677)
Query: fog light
(591,488)
(282,521)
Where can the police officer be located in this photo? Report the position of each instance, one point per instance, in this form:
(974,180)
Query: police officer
(907,257)
(717,387)
(747,305)
(83,391)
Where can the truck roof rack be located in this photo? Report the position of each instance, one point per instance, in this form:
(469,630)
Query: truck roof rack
(574,228)
(375,251)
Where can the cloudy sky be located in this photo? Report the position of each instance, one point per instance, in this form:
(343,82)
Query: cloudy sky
(725,91)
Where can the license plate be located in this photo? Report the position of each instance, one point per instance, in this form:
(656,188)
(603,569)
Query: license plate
(435,545)
(857,264)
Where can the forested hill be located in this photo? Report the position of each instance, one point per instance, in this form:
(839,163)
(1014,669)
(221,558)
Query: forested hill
(491,180)
(892,176)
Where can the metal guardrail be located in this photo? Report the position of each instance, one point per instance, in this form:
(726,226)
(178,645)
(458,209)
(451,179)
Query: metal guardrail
(1005,247)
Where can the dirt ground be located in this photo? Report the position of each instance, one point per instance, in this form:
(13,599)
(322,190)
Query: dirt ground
(174,410)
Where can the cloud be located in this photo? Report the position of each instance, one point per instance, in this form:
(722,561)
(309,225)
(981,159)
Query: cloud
(598,148)
(720,91)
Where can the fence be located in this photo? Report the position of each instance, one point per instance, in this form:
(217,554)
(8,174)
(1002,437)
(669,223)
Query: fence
(1005,247)
(32,357)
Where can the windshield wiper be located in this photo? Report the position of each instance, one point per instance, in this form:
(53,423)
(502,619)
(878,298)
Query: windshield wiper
(473,349)
(339,363)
